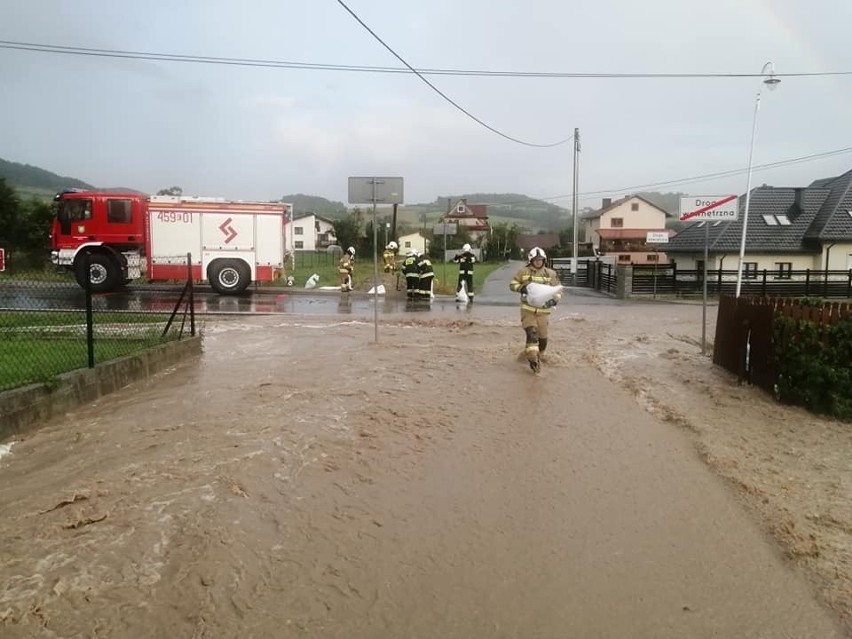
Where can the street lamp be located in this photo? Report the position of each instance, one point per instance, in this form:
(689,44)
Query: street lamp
(771,82)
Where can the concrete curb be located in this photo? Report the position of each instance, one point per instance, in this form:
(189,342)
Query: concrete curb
(29,407)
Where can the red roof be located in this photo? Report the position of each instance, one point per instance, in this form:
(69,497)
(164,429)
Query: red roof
(544,240)
(478,210)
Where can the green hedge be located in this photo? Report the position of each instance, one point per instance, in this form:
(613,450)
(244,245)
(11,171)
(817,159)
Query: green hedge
(813,364)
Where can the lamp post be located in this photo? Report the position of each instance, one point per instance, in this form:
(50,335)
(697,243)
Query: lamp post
(771,82)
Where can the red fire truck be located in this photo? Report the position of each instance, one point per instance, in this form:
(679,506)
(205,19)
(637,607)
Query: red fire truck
(128,235)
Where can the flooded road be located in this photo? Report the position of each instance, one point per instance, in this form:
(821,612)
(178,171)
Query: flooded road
(302,480)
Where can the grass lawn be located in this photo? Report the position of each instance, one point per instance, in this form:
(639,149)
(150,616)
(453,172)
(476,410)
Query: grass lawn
(30,360)
(328,276)
(37,346)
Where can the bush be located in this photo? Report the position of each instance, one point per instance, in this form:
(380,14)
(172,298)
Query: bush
(813,364)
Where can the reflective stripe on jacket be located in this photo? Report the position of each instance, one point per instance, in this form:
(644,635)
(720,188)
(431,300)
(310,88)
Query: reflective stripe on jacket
(465,262)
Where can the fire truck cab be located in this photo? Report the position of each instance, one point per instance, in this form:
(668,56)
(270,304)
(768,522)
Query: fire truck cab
(109,227)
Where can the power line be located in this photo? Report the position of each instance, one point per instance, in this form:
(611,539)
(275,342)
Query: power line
(689,180)
(168,57)
(357,68)
(441,93)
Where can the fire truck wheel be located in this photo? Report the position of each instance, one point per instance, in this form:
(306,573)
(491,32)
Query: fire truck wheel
(229,277)
(103,273)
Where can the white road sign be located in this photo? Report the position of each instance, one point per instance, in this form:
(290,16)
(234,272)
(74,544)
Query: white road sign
(657,237)
(709,207)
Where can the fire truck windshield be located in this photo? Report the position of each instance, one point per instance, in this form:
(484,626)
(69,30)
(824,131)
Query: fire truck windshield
(74,210)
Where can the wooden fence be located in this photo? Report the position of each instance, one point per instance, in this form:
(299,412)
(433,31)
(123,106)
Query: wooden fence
(744,328)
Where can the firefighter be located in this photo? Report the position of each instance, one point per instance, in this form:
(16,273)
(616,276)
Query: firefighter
(535,319)
(412,275)
(427,275)
(346,267)
(465,260)
(389,257)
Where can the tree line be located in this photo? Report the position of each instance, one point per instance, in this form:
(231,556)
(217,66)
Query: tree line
(26,228)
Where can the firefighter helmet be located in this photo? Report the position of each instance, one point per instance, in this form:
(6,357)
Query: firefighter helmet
(393,245)
(536,253)
(466,248)
(351,251)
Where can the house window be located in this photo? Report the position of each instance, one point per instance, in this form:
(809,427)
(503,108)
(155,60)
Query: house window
(785,270)
(298,230)
(750,270)
(623,258)
(617,222)
(300,244)
(118,211)
(653,257)
(407,244)
(634,206)
(460,208)
(775,220)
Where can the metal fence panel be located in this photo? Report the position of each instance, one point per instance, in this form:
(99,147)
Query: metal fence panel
(46,329)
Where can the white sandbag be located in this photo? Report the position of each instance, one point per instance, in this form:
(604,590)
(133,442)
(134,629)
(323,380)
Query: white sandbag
(461,296)
(381,290)
(539,294)
(312,281)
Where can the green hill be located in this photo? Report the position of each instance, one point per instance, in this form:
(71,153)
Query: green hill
(33,181)
(315,204)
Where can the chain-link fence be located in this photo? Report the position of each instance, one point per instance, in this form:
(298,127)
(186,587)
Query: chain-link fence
(52,327)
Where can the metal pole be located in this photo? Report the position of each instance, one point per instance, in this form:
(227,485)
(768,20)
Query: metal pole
(655,274)
(375,266)
(191,294)
(748,196)
(704,305)
(90,321)
(574,208)
(444,275)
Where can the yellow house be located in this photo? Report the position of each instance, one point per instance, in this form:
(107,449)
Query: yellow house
(413,241)
(620,229)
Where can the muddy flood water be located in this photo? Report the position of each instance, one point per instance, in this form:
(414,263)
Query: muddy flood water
(300,479)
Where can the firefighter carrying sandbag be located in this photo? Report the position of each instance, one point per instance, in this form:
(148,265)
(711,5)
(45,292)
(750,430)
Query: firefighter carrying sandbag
(535,314)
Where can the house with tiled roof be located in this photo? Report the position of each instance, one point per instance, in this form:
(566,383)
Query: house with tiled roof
(546,241)
(309,232)
(789,229)
(472,217)
(619,229)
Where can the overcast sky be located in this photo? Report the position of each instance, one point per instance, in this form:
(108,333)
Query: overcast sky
(259,133)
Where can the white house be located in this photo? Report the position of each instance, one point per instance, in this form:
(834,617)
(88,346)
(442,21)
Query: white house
(412,241)
(309,232)
(789,229)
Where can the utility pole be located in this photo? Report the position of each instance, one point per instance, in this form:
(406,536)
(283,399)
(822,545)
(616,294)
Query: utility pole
(574,207)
